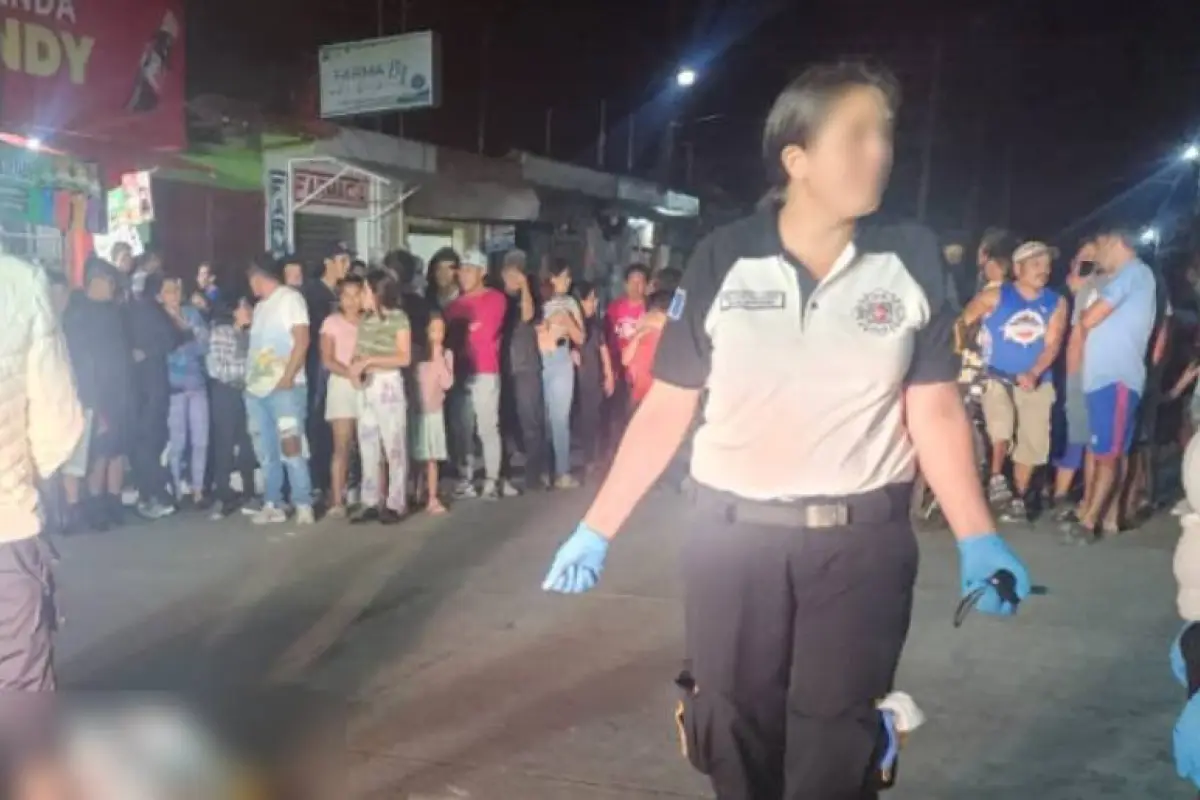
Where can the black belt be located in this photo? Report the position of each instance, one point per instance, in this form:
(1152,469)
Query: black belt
(888,504)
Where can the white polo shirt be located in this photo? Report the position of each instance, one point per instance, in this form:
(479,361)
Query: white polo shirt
(805,380)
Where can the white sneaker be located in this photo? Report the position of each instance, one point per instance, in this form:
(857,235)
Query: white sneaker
(508,490)
(465,490)
(304,515)
(1182,508)
(566,482)
(270,515)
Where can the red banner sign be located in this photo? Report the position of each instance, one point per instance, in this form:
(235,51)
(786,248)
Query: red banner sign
(110,71)
(318,188)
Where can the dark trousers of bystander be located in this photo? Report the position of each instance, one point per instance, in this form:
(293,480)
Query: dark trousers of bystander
(27,617)
(150,440)
(591,419)
(231,445)
(530,408)
(320,433)
(793,635)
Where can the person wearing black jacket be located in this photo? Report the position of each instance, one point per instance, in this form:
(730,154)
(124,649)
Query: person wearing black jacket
(152,336)
(521,367)
(102,362)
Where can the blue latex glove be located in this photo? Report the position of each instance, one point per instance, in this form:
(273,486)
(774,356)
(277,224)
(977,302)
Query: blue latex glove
(1178,665)
(982,556)
(1187,742)
(578,562)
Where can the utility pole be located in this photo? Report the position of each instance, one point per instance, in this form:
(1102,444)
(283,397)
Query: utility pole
(930,131)
(632,141)
(1007,186)
(483,88)
(403,29)
(601,135)
(379,34)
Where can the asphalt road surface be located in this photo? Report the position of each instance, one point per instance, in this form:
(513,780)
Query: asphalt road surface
(461,679)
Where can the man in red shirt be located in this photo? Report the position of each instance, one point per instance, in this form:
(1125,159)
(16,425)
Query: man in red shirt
(475,320)
(621,322)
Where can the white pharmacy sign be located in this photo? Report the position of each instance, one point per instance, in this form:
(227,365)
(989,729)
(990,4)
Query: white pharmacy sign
(398,73)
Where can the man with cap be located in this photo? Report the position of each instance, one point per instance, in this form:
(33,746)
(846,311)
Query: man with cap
(522,363)
(1116,328)
(1024,326)
(825,354)
(475,321)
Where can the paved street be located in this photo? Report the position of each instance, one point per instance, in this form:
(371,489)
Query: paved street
(463,680)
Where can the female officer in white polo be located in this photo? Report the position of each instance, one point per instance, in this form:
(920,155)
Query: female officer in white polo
(826,352)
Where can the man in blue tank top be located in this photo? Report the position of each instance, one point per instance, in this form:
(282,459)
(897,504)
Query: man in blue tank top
(1023,328)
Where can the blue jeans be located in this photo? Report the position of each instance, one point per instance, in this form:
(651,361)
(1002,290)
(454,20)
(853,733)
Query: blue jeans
(273,418)
(558,387)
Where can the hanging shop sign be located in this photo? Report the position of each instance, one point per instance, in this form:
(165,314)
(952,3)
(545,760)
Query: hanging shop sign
(131,204)
(279,223)
(397,73)
(324,189)
(110,70)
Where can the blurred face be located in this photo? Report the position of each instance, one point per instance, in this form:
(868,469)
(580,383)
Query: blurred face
(437,330)
(153,262)
(561,282)
(512,277)
(589,304)
(846,164)
(243,315)
(204,276)
(994,271)
(350,301)
(337,267)
(635,286)
(1034,271)
(1111,253)
(123,260)
(171,294)
(469,278)
(953,253)
(443,274)
(100,289)
(293,275)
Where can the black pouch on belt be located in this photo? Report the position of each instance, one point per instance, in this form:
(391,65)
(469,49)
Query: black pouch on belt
(885,760)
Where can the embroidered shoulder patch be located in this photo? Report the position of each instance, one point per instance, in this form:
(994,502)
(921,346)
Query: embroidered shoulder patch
(678,301)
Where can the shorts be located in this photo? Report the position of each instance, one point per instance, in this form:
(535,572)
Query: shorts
(341,399)
(1022,418)
(76,465)
(101,439)
(1075,411)
(1112,414)
(429,437)
(1072,457)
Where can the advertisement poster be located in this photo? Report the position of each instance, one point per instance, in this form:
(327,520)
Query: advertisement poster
(399,73)
(278,224)
(106,70)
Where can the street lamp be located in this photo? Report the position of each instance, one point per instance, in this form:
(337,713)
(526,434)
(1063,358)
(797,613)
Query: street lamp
(1150,235)
(1191,153)
(686,77)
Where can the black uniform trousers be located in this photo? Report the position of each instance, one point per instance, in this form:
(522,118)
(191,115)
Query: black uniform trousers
(231,445)
(793,635)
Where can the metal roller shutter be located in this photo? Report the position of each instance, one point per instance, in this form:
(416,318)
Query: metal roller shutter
(316,234)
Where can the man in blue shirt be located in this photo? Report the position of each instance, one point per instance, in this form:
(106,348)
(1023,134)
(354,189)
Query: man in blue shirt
(1023,330)
(1116,329)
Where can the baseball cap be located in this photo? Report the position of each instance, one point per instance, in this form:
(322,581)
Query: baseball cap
(474,258)
(1034,248)
(340,249)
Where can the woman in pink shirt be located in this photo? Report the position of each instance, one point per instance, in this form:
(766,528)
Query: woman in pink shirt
(435,376)
(339,336)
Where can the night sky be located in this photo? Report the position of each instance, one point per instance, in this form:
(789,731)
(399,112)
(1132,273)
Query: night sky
(1080,103)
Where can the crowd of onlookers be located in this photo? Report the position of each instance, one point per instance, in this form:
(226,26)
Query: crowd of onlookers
(351,390)
(1076,374)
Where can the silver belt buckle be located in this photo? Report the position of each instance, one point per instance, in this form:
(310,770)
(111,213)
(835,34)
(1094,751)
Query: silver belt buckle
(826,515)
